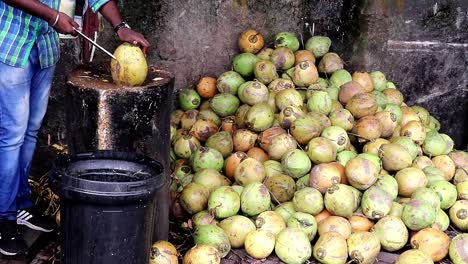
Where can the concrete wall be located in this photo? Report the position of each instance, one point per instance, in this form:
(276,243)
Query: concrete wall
(420,45)
(423,47)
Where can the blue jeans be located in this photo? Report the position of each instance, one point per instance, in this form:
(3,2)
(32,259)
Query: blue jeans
(24,94)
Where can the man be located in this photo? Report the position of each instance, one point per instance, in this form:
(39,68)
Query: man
(29,50)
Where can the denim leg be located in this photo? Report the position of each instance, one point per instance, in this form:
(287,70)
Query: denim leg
(14,112)
(38,99)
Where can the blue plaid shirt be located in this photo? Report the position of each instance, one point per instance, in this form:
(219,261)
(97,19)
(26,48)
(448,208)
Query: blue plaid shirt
(19,32)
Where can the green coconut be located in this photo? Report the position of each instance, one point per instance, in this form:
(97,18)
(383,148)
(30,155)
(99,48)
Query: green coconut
(293,246)
(308,200)
(414,256)
(305,222)
(447,193)
(457,249)
(459,215)
(189,99)
(331,247)
(363,247)
(418,214)
(392,233)
(259,117)
(224,202)
(288,40)
(318,45)
(236,228)
(320,102)
(379,80)
(229,82)
(296,163)
(255,199)
(376,203)
(340,77)
(244,64)
(213,236)
(340,200)
(224,104)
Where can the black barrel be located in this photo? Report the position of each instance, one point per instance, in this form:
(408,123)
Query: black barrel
(107,202)
(103,116)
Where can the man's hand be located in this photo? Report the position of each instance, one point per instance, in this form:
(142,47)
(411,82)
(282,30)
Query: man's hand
(128,35)
(65,24)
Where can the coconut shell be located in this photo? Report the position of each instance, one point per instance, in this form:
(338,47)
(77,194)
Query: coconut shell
(232,162)
(459,215)
(360,223)
(414,256)
(202,254)
(258,154)
(265,54)
(457,250)
(206,87)
(280,145)
(244,139)
(130,68)
(293,246)
(188,119)
(409,179)
(281,187)
(414,130)
(305,74)
(392,233)
(265,72)
(280,84)
(408,115)
(248,171)
(363,247)
(374,146)
(236,228)
(361,173)
(433,242)
(388,121)
(365,80)
(460,158)
(348,90)
(259,243)
(362,104)
(446,165)
(324,175)
(368,128)
(393,96)
(228,124)
(303,55)
(331,247)
(394,157)
(194,198)
(330,63)
(283,58)
(336,224)
(305,128)
(251,41)
(322,215)
(163,251)
(264,139)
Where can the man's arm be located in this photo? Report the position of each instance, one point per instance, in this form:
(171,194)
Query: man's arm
(112,14)
(35,8)
(66,24)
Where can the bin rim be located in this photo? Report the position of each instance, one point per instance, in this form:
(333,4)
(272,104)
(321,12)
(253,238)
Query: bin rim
(60,166)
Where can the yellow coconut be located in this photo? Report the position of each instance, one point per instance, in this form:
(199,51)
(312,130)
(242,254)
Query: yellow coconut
(163,252)
(130,68)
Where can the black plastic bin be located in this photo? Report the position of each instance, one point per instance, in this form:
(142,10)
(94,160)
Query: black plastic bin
(107,203)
